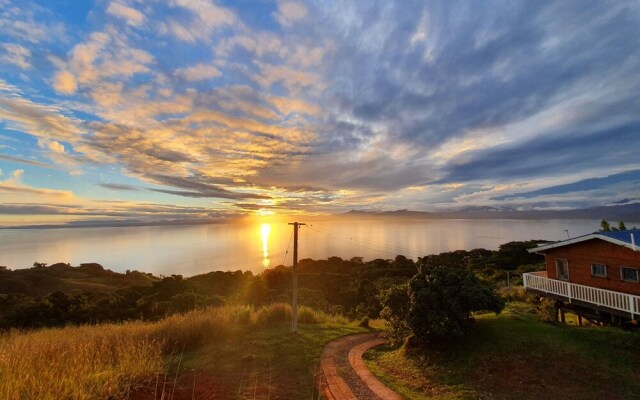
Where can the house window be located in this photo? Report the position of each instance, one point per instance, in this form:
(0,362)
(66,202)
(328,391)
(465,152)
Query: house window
(629,274)
(599,270)
(562,268)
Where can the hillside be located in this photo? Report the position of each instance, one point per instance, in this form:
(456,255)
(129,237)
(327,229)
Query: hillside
(613,212)
(42,280)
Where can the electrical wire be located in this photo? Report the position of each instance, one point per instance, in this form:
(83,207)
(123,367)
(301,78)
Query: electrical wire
(352,242)
(287,252)
(373,242)
(395,250)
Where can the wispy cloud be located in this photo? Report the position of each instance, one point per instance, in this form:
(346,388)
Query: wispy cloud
(129,14)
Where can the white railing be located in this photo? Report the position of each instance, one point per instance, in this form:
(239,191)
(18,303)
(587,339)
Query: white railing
(600,297)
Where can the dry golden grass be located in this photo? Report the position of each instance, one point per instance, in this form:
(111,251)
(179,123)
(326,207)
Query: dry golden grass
(104,361)
(77,363)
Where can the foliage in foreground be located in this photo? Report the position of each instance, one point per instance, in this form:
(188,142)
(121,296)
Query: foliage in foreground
(437,304)
(104,361)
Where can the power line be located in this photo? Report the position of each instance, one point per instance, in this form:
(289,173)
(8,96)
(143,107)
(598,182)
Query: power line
(287,252)
(352,243)
(399,249)
(389,249)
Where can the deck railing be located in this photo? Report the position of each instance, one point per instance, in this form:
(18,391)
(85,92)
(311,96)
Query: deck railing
(599,297)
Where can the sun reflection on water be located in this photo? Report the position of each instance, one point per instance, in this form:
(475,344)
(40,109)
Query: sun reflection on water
(265,230)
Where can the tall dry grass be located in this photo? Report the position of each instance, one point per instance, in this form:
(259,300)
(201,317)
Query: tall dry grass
(77,363)
(104,361)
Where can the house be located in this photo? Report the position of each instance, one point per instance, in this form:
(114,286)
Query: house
(595,275)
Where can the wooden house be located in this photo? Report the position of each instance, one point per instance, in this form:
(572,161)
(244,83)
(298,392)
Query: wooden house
(596,274)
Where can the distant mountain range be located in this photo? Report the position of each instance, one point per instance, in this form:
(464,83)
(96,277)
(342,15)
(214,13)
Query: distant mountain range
(625,212)
(628,212)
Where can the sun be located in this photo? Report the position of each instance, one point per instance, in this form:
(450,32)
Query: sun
(265,230)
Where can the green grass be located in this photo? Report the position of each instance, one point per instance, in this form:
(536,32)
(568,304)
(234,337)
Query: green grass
(516,356)
(267,363)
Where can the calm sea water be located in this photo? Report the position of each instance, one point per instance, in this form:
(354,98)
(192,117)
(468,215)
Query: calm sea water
(191,250)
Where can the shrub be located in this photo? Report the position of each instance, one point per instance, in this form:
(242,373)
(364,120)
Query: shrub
(395,306)
(306,315)
(547,310)
(517,293)
(441,300)
(272,313)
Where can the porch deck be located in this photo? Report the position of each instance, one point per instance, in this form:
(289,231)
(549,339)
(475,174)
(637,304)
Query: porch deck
(599,299)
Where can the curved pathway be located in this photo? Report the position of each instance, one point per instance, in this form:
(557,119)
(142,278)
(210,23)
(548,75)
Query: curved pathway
(346,377)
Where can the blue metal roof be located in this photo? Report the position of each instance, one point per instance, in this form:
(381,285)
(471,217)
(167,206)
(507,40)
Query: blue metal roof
(623,236)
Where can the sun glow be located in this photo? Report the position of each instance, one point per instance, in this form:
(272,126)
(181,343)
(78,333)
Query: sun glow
(265,230)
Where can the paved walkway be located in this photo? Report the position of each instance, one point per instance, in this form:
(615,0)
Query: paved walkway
(346,377)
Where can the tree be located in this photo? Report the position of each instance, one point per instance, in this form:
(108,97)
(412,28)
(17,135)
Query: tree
(441,300)
(606,226)
(395,306)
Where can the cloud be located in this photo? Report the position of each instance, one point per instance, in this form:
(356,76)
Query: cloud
(42,121)
(290,12)
(27,162)
(29,22)
(199,72)
(16,55)
(14,189)
(198,187)
(56,147)
(204,17)
(104,56)
(129,14)
(628,177)
(120,187)
(65,83)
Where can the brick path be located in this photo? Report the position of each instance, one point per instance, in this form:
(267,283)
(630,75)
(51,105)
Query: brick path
(346,377)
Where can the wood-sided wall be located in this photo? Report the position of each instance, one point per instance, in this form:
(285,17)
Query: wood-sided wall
(580,257)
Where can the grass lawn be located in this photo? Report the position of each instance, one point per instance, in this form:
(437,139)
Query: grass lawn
(270,363)
(516,356)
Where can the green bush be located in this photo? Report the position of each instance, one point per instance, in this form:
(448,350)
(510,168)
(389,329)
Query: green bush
(395,306)
(441,300)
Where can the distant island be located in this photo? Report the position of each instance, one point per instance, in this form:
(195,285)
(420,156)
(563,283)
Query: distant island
(623,210)
(614,212)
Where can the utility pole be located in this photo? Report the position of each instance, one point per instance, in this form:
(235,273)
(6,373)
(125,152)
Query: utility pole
(294,295)
(508,289)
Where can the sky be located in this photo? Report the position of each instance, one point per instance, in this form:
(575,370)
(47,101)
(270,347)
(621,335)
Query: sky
(160,110)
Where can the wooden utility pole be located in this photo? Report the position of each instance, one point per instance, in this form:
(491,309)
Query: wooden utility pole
(294,295)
